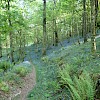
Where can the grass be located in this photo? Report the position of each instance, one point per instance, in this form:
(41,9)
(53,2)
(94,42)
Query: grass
(11,76)
(79,57)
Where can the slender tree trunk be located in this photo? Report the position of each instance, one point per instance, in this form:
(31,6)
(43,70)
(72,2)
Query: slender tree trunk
(73,31)
(10,35)
(96,11)
(71,28)
(88,23)
(69,35)
(56,35)
(55,26)
(0,47)
(7,51)
(17,46)
(36,39)
(53,34)
(21,46)
(82,24)
(44,28)
(84,21)
(88,18)
(24,40)
(93,31)
(78,32)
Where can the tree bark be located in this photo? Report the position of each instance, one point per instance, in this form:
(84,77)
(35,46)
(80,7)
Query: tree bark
(0,47)
(55,26)
(21,46)
(93,29)
(96,12)
(10,35)
(44,28)
(78,32)
(84,21)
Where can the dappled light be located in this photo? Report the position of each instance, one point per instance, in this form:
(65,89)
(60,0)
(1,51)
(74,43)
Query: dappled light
(49,50)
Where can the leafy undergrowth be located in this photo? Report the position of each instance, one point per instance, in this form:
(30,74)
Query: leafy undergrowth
(52,85)
(11,77)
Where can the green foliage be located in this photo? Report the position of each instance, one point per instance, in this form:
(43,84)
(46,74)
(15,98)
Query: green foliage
(4,86)
(46,84)
(81,86)
(45,59)
(12,77)
(21,71)
(5,65)
(63,75)
(1,71)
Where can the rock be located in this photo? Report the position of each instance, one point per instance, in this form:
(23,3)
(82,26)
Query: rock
(27,62)
(24,64)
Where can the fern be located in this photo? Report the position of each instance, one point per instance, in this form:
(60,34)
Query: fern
(81,88)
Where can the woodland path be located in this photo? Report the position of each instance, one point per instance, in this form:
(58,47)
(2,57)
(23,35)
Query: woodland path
(21,92)
(29,82)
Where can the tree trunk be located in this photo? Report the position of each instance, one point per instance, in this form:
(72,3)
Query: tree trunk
(0,47)
(55,26)
(53,34)
(93,31)
(56,38)
(56,33)
(10,35)
(21,46)
(44,28)
(36,39)
(88,18)
(84,21)
(96,12)
(78,32)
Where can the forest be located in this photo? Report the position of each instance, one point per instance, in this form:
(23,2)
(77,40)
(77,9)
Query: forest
(49,49)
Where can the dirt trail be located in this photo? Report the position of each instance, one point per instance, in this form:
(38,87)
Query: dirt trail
(21,92)
(29,82)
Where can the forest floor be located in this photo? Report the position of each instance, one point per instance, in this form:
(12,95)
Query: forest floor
(21,91)
(30,79)
(46,66)
(29,82)
(36,58)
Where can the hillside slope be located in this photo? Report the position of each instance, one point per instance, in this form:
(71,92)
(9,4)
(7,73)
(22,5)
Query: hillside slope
(77,56)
